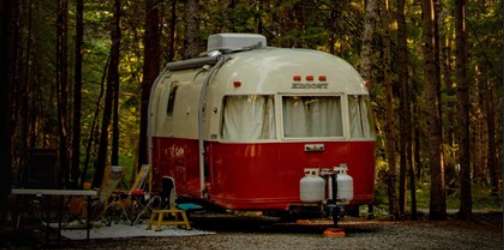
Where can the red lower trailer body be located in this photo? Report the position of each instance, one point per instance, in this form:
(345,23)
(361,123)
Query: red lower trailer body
(258,176)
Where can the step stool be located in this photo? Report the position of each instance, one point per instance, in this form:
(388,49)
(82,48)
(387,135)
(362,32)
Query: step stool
(159,218)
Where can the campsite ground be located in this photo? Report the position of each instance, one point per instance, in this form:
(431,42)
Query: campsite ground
(483,232)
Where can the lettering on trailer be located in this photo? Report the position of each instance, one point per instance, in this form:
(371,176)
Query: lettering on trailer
(309,85)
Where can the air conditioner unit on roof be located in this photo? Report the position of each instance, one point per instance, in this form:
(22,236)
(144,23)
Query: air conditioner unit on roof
(234,41)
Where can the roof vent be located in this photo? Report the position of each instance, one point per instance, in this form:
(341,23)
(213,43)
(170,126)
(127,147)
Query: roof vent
(235,41)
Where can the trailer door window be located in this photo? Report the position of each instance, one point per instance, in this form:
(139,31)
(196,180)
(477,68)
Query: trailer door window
(248,118)
(312,116)
(360,120)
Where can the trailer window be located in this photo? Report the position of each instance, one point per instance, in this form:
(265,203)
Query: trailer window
(171,100)
(312,116)
(360,120)
(248,118)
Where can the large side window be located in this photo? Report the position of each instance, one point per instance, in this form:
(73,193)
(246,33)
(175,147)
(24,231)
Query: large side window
(360,119)
(248,117)
(312,116)
(171,99)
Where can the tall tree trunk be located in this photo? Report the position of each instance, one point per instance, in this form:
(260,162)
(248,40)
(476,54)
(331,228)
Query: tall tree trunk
(389,127)
(335,12)
(437,209)
(492,151)
(230,19)
(26,90)
(191,29)
(151,70)
(463,111)
(405,117)
(93,130)
(62,88)
(173,27)
(116,45)
(416,147)
(259,14)
(368,58)
(76,142)
(6,42)
(367,52)
(112,79)
(14,70)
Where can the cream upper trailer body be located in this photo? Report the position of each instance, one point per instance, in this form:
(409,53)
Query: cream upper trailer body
(265,71)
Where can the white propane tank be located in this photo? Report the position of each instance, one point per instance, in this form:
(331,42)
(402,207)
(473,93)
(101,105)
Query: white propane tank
(312,187)
(344,183)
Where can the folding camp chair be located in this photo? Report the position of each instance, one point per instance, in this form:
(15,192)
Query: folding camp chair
(113,204)
(141,194)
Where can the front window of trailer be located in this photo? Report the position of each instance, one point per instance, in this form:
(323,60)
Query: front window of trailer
(312,116)
(248,117)
(361,125)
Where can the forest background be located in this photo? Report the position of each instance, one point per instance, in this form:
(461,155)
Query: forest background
(78,75)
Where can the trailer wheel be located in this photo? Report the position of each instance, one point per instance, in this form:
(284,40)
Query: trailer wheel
(336,215)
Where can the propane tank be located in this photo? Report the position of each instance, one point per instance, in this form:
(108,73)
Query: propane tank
(344,183)
(312,187)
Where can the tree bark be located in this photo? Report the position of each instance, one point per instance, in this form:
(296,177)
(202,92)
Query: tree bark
(437,209)
(173,26)
(112,79)
(389,127)
(6,10)
(191,35)
(62,88)
(116,45)
(230,19)
(367,52)
(463,111)
(151,70)
(492,150)
(259,14)
(92,133)
(417,149)
(335,12)
(76,141)
(405,117)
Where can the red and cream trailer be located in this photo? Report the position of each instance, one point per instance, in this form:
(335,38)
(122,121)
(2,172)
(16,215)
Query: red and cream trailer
(241,125)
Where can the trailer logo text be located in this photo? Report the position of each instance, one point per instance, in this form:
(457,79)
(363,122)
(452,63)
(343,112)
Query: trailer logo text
(309,85)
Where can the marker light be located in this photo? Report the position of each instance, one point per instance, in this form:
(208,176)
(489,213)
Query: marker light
(366,83)
(296,78)
(322,78)
(309,78)
(237,84)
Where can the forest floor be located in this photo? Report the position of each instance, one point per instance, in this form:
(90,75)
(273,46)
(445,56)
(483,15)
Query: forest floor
(482,232)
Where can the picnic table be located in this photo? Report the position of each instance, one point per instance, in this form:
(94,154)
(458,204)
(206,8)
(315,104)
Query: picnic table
(61,193)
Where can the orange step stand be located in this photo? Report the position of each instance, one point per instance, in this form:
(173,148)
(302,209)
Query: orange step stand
(334,232)
(159,218)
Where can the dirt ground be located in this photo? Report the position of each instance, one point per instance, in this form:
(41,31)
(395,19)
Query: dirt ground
(484,232)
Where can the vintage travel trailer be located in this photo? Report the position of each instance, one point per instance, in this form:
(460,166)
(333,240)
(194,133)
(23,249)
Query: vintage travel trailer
(251,127)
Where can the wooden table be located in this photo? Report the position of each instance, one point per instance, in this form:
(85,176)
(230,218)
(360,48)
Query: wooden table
(60,193)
